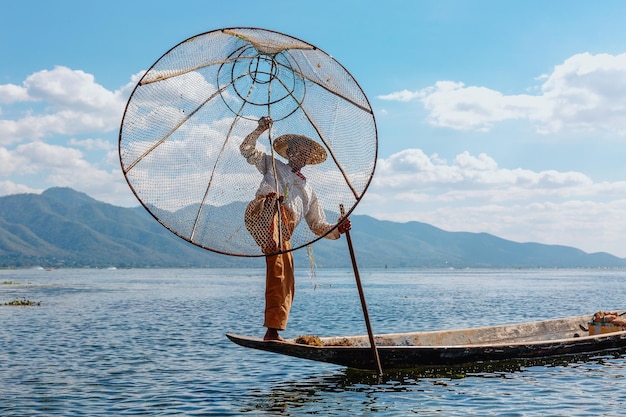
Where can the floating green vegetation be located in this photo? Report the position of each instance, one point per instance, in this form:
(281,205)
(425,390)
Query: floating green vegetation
(9,283)
(22,302)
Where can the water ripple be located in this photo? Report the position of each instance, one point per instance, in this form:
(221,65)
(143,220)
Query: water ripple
(151,342)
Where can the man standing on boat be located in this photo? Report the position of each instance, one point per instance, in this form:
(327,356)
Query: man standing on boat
(297,200)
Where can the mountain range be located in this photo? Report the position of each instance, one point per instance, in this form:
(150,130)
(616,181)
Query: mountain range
(62,227)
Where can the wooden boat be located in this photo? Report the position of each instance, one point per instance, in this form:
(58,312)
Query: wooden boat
(533,340)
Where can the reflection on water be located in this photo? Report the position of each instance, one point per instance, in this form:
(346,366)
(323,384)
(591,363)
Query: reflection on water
(487,390)
(151,342)
(439,390)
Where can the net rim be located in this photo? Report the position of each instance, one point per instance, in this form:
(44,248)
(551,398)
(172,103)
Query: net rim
(234,32)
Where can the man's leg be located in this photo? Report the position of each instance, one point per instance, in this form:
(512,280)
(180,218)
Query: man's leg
(279,293)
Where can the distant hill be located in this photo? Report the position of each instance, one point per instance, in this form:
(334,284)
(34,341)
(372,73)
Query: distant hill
(65,228)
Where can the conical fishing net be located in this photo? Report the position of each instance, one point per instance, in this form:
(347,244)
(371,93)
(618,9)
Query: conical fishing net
(182,150)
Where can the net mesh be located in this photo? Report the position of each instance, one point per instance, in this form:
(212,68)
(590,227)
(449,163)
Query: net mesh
(184,124)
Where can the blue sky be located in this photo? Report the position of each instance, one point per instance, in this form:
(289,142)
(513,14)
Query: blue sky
(500,117)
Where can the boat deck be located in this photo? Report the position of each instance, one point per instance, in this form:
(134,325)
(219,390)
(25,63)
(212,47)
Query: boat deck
(543,331)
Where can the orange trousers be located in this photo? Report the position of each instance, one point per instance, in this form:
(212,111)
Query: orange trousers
(280,287)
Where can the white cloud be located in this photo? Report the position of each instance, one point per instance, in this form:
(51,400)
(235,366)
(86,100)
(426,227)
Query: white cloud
(472,193)
(59,166)
(69,89)
(586,92)
(9,188)
(73,104)
(42,156)
(91,144)
(404,95)
(36,150)
(11,93)
(8,164)
(412,169)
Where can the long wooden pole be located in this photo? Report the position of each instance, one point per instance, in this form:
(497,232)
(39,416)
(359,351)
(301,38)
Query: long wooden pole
(362,297)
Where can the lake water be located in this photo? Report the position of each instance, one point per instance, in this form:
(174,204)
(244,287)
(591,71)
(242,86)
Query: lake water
(152,342)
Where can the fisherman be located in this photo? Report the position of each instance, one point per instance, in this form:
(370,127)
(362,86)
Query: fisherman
(297,200)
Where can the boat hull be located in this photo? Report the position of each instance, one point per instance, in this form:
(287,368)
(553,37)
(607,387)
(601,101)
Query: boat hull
(535,340)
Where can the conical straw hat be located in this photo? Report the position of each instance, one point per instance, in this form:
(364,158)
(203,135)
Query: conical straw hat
(316,155)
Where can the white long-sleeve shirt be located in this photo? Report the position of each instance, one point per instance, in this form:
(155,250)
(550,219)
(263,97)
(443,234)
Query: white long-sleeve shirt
(298,195)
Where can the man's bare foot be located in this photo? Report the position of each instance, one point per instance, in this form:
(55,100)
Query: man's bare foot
(272,334)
